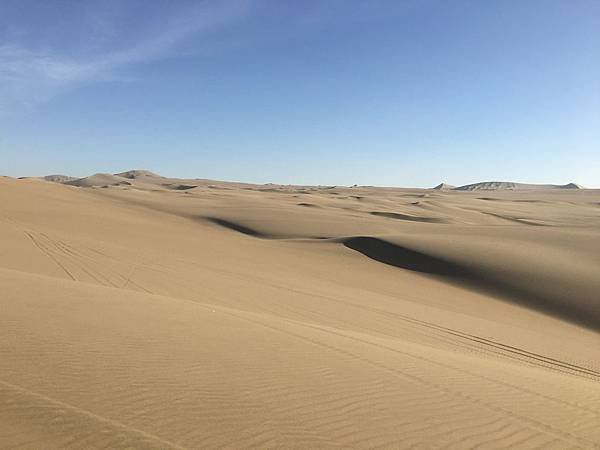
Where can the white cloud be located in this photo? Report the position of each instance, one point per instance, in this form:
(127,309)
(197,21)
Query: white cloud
(29,76)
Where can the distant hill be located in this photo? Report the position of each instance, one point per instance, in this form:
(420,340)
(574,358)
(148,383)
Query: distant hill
(141,179)
(444,187)
(147,179)
(133,174)
(506,185)
(99,179)
(59,178)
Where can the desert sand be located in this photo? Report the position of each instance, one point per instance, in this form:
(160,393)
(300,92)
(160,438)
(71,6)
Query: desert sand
(138,311)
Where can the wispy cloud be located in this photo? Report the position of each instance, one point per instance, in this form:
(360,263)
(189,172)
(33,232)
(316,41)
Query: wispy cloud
(30,74)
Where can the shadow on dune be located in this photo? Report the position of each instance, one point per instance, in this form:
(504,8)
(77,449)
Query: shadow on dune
(520,291)
(517,220)
(399,216)
(233,226)
(402,257)
(238,227)
(566,302)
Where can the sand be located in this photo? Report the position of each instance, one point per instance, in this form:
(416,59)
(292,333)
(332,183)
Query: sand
(165,313)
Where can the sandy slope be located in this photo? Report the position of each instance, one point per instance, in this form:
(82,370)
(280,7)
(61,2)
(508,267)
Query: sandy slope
(151,316)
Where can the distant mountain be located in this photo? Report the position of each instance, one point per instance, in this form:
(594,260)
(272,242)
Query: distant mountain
(509,186)
(444,187)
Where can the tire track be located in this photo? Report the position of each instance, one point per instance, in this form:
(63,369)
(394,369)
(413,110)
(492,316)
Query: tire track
(532,423)
(49,255)
(551,362)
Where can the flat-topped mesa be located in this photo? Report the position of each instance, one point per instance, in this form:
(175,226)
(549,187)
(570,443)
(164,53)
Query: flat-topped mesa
(137,173)
(507,185)
(444,187)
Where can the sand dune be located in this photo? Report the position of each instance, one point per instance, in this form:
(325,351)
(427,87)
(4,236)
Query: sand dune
(165,313)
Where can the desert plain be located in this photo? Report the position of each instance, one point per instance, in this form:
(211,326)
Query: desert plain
(138,311)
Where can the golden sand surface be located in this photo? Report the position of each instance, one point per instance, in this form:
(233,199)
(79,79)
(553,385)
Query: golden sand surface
(138,311)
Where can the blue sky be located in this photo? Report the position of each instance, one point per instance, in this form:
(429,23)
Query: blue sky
(404,93)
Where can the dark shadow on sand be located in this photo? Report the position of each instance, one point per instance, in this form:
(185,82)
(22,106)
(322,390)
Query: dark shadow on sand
(580,312)
(239,228)
(392,215)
